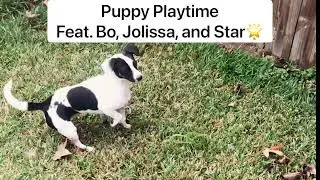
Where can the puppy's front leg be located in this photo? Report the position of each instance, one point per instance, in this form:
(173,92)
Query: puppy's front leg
(123,120)
(115,115)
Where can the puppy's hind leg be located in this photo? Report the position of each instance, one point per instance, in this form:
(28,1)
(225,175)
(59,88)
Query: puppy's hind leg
(70,131)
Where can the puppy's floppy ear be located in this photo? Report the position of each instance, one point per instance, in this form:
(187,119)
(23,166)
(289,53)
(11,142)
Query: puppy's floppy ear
(130,50)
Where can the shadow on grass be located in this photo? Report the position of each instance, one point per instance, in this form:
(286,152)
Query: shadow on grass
(94,131)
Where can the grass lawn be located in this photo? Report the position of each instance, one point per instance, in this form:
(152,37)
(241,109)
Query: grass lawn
(182,127)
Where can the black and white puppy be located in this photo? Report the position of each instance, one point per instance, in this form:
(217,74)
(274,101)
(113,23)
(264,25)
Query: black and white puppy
(106,94)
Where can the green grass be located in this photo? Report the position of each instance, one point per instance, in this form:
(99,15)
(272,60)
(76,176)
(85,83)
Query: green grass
(182,127)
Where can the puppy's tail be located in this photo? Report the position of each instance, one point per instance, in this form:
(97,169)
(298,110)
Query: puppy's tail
(22,105)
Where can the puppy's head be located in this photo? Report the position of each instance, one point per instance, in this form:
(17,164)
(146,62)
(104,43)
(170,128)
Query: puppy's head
(124,65)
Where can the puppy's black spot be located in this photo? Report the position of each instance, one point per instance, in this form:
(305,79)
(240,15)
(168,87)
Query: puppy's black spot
(81,99)
(65,113)
(121,69)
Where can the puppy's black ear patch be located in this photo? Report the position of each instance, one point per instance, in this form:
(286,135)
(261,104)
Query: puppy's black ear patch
(121,69)
(130,50)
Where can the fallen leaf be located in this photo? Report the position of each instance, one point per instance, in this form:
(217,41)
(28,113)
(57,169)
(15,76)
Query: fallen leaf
(309,171)
(239,89)
(279,153)
(312,169)
(283,160)
(278,147)
(31,4)
(232,104)
(280,62)
(62,151)
(29,14)
(292,176)
(45,3)
(266,152)
(270,57)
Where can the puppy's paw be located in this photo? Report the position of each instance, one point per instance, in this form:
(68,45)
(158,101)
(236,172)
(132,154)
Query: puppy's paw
(128,126)
(90,149)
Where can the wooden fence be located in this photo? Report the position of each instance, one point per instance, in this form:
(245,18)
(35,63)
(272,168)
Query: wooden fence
(294,31)
(294,35)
